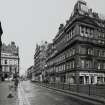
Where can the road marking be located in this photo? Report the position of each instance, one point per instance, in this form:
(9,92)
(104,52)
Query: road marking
(23,99)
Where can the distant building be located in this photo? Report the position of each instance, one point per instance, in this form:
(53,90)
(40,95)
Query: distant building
(10,60)
(30,72)
(78,51)
(1,32)
(39,61)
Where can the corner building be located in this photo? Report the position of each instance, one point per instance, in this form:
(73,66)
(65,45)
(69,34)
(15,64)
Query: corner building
(79,48)
(10,60)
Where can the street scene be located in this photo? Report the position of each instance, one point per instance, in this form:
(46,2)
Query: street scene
(32,94)
(52,52)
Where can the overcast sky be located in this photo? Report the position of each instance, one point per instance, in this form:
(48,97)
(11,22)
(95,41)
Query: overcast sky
(27,22)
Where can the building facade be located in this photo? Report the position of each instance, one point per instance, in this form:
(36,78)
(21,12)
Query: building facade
(39,61)
(10,60)
(78,50)
(30,73)
(1,32)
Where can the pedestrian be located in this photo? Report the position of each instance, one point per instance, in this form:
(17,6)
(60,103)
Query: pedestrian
(10,95)
(16,82)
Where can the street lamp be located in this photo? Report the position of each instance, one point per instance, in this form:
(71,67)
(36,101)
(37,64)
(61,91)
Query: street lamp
(1,31)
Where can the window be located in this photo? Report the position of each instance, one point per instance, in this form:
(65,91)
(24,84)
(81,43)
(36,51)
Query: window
(99,66)
(86,31)
(81,31)
(88,63)
(73,51)
(103,35)
(71,33)
(81,79)
(82,63)
(98,52)
(90,51)
(64,67)
(87,79)
(99,35)
(91,33)
(70,36)
(73,64)
(67,37)
(103,53)
(68,66)
(69,52)
(5,61)
(103,65)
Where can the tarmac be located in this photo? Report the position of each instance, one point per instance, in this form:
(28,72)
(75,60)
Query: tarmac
(79,96)
(19,98)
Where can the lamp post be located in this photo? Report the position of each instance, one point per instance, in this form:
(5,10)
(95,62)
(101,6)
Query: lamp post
(1,74)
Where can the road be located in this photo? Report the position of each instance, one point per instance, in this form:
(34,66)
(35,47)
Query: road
(33,94)
(29,93)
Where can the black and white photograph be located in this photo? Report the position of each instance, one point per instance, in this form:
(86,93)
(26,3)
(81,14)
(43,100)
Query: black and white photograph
(52,52)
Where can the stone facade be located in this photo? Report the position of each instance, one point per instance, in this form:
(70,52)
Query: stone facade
(78,54)
(10,60)
(39,61)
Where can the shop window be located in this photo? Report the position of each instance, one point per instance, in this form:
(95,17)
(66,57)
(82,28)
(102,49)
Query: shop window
(100,80)
(81,79)
(87,79)
(92,79)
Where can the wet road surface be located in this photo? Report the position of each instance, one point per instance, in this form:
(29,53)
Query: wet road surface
(33,94)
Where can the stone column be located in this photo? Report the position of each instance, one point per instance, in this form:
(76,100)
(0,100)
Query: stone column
(84,80)
(89,79)
(95,79)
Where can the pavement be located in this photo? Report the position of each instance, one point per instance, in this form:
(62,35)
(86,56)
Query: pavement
(4,92)
(32,94)
(18,96)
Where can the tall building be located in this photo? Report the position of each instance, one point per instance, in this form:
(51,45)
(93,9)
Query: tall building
(10,60)
(79,48)
(39,61)
(1,31)
(30,71)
